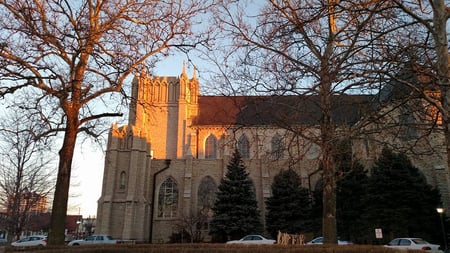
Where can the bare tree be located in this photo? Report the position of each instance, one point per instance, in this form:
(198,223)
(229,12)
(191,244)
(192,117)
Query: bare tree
(191,225)
(430,55)
(70,55)
(26,174)
(311,49)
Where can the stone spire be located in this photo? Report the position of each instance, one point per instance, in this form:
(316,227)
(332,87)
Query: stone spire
(183,71)
(195,74)
(143,72)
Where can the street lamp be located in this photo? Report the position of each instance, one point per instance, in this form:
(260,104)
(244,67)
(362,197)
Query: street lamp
(441,211)
(78,225)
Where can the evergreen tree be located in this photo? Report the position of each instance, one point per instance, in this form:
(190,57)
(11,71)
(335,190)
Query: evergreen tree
(350,190)
(317,208)
(400,201)
(289,207)
(236,212)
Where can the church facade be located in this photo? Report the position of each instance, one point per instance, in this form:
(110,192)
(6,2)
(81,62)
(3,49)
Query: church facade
(162,169)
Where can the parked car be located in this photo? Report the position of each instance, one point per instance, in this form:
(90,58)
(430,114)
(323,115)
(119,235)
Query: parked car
(252,239)
(35,240)
(413,243)
(319,240)
(94,239)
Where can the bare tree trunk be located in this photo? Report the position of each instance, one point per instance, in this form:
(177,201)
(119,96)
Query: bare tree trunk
(328,168)
(59,208)
(329,195)
(329,198)
(440,17)
(329,225)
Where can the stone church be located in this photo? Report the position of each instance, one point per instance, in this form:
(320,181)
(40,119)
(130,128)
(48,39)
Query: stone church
(163,168)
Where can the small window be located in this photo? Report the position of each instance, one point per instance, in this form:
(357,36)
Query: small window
(407,125)
(244,147)
(122,180)
(277,147)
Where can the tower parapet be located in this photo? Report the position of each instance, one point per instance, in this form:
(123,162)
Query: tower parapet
(164,107)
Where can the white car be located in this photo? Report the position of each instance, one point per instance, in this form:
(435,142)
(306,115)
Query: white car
(252,239)
(94,239)
(413,243)
(319,240)
(35,240)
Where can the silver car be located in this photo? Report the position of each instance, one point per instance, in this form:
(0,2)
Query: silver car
(319,240)
(252,239)
(413,243)
(34,240)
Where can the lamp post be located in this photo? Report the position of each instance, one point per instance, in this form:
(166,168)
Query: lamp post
(78,231)
(441,211)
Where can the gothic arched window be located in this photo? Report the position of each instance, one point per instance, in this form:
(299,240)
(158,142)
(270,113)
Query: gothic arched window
(277,147)
(206,194)
(122,180)
(243,146)
(206,197)
(211,147)
(168,199)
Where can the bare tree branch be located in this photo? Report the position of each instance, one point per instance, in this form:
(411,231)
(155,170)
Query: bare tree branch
(64,57)
(26,178)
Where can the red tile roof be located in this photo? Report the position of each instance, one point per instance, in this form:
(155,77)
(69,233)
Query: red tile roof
(279,110)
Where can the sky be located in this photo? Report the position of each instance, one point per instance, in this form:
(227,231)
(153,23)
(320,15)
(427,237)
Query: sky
(88,163)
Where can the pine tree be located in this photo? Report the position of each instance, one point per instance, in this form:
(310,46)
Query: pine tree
(399,199)
(236,212)
(350,190)
(289,207)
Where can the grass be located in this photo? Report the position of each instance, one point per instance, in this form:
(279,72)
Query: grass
(209,248)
